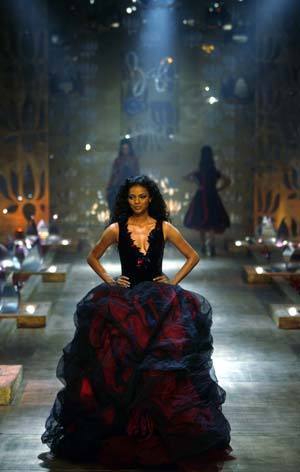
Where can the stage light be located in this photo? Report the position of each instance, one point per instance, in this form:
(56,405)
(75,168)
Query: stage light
(7,263)
(208,48)
(217,14)
(207,88)
(30,309)
(52,269)
(129,10)
(212,100)
(65,242)
(170,60)
(55,216)
(259,270)
(5,211)
(20,198)
(189,21)
(92,2)
(227,27)
(238,243)
(292,311)
(115,25)
(127,136)
(88,147)
(55,39)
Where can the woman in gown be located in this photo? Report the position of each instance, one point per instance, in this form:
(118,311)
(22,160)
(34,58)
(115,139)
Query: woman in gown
(139,382)
(125,165)
(206,212)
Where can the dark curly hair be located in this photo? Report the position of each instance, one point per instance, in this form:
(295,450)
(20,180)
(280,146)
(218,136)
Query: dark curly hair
(157,208)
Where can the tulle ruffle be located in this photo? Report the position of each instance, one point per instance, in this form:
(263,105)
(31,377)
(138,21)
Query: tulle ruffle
(139,382)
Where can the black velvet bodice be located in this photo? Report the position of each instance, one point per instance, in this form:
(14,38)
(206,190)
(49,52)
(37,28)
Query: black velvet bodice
(137,266)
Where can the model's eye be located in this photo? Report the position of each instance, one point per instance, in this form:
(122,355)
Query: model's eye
(132,197)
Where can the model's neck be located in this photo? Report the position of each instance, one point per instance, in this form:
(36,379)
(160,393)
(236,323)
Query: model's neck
(140,219)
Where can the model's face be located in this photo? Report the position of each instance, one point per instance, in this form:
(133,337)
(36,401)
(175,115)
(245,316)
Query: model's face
(125,149)
(139,199)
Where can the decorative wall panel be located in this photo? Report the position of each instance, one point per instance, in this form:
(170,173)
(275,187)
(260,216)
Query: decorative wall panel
(24,189)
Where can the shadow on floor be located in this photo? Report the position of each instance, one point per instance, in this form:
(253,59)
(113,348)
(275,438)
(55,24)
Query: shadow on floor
(53,464)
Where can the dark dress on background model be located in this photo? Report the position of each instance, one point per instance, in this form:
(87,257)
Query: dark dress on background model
(140,387)
(206,211)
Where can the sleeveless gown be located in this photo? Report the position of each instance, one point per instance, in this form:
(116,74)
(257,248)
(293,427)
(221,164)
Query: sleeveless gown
(139,382)
(206,211)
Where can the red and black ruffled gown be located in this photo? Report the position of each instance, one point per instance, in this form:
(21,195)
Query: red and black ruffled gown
(139,382)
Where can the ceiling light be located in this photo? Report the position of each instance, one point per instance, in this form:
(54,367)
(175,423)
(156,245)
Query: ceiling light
(212,100)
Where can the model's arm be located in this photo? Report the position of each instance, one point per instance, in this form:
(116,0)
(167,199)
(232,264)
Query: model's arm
(225,182)
(192,258)
(191,177)
(108,238)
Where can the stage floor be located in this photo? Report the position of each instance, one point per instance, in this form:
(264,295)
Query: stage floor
(255,362)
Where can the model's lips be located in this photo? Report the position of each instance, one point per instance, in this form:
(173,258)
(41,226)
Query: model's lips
(137,208)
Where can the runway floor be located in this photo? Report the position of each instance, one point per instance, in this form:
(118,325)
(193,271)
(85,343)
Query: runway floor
(256,363)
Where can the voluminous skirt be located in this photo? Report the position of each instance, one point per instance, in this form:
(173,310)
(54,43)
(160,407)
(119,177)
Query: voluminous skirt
(206,212)
(139,382)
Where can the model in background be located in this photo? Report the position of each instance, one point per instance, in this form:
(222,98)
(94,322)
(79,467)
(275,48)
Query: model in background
(206,212)
(124,166)
(140,387)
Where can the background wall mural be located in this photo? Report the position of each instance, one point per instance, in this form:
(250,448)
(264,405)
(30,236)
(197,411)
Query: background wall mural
(277,195)
(24,188)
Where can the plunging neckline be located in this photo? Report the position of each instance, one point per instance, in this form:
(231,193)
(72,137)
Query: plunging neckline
(148,239)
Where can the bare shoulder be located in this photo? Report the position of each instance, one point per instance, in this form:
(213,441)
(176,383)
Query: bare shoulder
(113,227)
(110,235)
(169,230)
(113,231)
